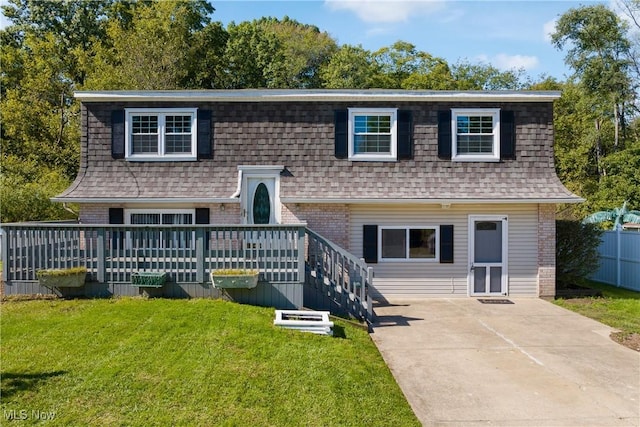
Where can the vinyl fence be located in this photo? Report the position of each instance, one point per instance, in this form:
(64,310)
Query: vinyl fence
(620,259)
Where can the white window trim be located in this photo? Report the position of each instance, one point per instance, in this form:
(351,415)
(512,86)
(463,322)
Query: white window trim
(129,212)
(407,228)
(495,155)
(161,155)
(372,157)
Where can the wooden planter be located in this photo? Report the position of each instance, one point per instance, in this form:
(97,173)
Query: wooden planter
(62,278)
(235,279)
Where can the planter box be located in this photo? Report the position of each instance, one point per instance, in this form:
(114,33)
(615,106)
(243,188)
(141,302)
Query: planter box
(71,278)
(148,279)
(240,280)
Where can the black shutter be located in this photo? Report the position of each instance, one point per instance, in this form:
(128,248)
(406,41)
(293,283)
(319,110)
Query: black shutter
(205,143)
(116,216)
(507,135)
(202,217)
(117,134)
(370,243)
(405,135)
(446,244)
(342,134)
(444,134)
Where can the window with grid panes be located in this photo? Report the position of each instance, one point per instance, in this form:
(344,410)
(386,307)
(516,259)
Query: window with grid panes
(372,134)
(161,134)
(476,134)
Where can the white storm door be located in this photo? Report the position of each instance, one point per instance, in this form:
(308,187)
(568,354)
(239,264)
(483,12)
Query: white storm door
(260,201)
(488,273)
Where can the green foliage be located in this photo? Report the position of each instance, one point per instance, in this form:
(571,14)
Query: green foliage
(269,53)
(26,189)
(235,272)
(576,251)
(61,272)
(351,67)
(469,76)
(157,362)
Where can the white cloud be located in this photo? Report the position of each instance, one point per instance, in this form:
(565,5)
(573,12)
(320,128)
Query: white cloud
(505,62)
(508,62)
(549,28)
(385,10)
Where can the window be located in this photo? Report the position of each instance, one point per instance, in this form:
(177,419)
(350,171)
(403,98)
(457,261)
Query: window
(408,243)
(476,134)
(161,134)
(165,238)
(373,134)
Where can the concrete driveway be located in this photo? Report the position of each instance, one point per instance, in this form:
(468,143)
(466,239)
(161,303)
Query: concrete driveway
(531,363)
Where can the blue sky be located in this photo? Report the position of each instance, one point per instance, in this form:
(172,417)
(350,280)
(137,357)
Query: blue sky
(506,34)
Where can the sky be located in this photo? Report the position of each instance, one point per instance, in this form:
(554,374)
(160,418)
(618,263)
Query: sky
(505,34)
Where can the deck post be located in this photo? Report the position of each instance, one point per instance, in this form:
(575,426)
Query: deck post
(101,273)
(4,239)
(369,299)
(200,255)
(301,248)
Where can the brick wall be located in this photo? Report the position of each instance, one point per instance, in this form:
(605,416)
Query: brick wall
(328,220)
(546,250)
(227,213)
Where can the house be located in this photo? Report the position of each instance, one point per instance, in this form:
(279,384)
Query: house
(442,193)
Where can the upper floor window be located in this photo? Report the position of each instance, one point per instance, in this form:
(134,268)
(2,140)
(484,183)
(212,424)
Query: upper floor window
(160,134)
(476,134)
(373,134)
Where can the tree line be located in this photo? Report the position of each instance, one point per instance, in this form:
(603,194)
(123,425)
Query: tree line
(53,48)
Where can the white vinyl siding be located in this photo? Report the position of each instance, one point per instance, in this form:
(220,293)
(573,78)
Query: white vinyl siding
(402,279)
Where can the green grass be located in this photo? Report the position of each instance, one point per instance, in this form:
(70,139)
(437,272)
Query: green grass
(133,361)
(619,308)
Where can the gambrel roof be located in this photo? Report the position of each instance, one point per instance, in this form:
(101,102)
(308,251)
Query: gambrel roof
(296,129)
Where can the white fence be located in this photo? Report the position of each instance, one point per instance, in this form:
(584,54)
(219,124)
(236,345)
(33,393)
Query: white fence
(619,259)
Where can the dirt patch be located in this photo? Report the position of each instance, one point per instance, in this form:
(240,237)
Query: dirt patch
(631,340)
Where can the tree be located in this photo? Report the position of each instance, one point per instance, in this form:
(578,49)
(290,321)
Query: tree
(351,67)
(154,48)
(402,66)
(469,76)
(598,51)
(269,53)
(576,251)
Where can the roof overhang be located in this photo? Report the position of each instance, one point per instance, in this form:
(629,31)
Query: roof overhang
(434,201)
(158,200)
(318,95)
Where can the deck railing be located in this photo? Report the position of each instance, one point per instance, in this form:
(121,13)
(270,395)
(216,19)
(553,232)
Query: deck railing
(337,274)
(284,254)
(187,253)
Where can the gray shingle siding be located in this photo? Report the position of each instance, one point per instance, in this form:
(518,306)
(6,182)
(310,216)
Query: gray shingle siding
(300,136)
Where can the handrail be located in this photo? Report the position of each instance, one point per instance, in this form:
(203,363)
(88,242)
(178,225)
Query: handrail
(341,275)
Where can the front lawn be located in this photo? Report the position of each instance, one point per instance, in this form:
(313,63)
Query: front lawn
(618,307)
(132,361)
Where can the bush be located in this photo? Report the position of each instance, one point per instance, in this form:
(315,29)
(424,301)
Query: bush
(576,251)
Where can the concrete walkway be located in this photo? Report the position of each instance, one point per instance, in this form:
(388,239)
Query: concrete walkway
(463,363)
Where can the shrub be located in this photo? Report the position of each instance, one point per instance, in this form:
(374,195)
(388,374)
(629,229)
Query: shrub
(576,251)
